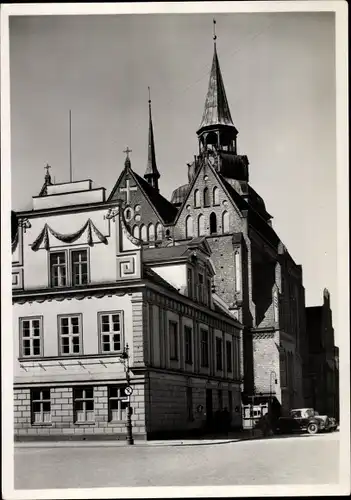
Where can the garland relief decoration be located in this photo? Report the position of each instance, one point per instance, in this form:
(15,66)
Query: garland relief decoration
(68,238)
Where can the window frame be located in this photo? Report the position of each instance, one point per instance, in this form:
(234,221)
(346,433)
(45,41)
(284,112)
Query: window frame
(215,196)
(188,345)
(71,277)
(120,399)
(197,198)
(84,401)
(219,353)
(101,333)
(80,334)
(176,353)
(206,197)
(204,349)
(69,266)
(41,402)
(229,366)
(31,337)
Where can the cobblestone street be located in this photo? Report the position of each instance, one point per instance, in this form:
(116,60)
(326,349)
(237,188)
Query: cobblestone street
(287,460)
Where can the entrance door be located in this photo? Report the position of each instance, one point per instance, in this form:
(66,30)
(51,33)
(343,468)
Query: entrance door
(209,407)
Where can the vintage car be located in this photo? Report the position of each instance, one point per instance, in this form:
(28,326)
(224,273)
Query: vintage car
(306,420)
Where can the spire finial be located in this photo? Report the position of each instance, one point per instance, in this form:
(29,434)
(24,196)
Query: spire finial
(127,160)
(47,174)
(214,30)
(149,95)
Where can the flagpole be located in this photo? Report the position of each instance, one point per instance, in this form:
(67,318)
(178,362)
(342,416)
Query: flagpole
(70,147)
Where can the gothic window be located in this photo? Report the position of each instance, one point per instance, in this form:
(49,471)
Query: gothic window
(159,231)
(143,232)
(225,222)
(151,232)
(136,232)
(213,223)
(197,203)
(201,225)
(215,196)
(206,197)
(189,227)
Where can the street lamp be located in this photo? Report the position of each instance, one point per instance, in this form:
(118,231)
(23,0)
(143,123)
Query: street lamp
(125,360)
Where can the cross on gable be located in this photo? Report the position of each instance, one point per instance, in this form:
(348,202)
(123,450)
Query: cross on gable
(128,190)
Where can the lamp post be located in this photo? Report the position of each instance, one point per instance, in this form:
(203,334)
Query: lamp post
(125,360)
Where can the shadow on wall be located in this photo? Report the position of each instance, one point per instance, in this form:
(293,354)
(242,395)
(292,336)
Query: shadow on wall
(263,279)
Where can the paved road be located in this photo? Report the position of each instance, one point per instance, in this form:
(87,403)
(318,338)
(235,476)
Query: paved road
(293,460)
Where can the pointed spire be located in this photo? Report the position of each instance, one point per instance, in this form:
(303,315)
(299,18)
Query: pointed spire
(216,110)
(151,174)
(47,181)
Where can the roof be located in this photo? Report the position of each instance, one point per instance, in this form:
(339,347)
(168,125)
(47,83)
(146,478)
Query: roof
(179,194)
(171,252)
(163,207)
(234,166)
(216,110)
(156,278)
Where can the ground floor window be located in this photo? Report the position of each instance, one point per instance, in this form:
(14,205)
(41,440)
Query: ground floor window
(117,403)
(40,406)
(83,403)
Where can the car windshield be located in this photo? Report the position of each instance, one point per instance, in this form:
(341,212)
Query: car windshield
(310,412)
(296,414)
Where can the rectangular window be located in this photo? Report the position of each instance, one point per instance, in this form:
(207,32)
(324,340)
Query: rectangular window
(31,336)
(79,259)
(201,287)
(190,282)
(117,403)
(188,345)
(58,269)
(219,354)
(111,330)
(70,334)
(204,348)
(40,406)
(83,404)
(173,340)
(189,403)
(229,356)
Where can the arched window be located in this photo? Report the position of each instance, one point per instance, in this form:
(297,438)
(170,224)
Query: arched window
(151,232)
(225,222)
(206,197)
(136,232)
(197,198)
(201,225)
(215,196)
(143,232)
(213,223)
(237,262)
(189,229)
(159,231)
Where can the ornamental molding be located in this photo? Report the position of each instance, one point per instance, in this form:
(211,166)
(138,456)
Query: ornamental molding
(88,227)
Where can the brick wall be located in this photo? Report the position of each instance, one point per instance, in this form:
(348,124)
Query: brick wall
(62,423)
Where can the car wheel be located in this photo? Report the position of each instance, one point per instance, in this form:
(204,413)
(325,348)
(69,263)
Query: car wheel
(312,428)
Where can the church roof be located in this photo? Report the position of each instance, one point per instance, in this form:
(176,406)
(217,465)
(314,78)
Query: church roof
(234,166)
(161,254)
(216,110)
(163,207)
(179,194)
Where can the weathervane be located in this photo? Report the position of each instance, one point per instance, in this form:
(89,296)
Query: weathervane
(214,31)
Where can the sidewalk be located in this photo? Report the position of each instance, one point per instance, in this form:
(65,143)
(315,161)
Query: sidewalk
(211,440)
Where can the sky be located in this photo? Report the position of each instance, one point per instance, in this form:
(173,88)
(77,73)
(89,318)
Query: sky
(279,75)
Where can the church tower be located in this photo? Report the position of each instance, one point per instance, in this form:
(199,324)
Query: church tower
(151,175)
(217,131)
